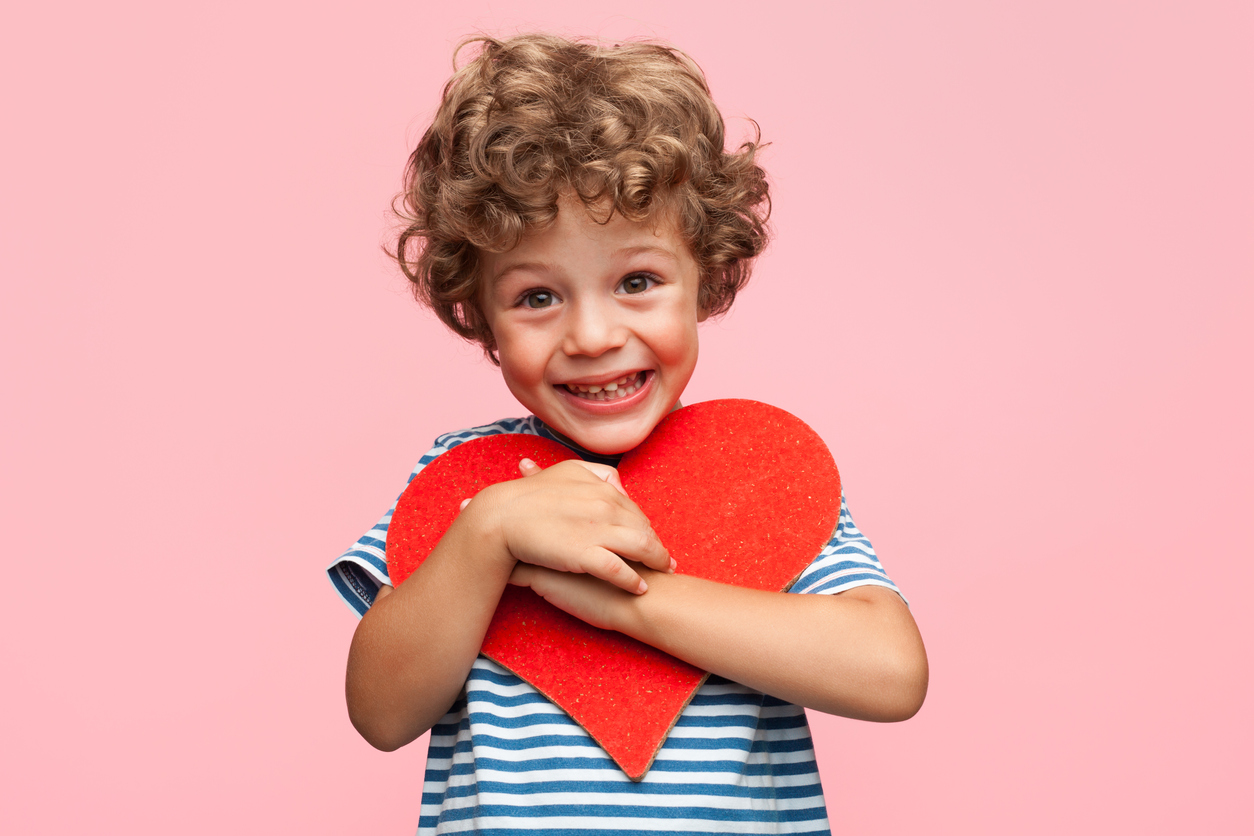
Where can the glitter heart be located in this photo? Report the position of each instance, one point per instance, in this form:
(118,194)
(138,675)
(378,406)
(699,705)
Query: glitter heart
(738,491)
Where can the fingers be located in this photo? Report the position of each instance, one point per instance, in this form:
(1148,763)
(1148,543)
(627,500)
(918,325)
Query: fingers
(567,521)
(609,567)
(602,471)
(522,575)
(597,563)
(649,552)
(641,545)
(606,474)
(583,596)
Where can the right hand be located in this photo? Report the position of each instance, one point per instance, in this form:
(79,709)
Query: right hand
(575,517)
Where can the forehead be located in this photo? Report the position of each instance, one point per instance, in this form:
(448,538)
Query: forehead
(581,238)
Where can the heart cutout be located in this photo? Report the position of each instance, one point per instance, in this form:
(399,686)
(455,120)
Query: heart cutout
(739,492)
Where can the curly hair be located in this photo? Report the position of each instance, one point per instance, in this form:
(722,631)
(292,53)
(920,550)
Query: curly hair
(630,128)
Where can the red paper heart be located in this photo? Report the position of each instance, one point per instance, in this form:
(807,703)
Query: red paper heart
(739,492)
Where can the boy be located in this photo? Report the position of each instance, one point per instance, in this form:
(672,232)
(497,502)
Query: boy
(574,211)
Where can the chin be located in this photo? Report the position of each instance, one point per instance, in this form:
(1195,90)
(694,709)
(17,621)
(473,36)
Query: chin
(611,445)
(606,441)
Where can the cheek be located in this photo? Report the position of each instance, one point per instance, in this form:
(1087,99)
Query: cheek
(523,361)
(677,345)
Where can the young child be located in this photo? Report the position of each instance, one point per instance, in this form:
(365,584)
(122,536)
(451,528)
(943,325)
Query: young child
(573,210)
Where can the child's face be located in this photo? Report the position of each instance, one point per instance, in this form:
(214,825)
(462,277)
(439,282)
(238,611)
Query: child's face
(595,325)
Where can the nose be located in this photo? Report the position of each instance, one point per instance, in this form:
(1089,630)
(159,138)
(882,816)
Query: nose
(592,329)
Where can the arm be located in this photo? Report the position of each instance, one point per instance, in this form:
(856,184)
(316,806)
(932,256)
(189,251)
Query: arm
(413,649)
(857,654)
(415,645)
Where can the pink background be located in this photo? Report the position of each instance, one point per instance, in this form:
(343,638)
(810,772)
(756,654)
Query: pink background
(1011,287)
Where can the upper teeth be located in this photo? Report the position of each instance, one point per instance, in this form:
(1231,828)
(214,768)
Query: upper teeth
(628,383)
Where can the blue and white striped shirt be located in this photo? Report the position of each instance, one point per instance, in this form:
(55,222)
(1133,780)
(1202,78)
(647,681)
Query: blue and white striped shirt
(505,760)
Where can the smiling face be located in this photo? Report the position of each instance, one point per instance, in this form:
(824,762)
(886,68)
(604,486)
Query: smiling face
(595,325)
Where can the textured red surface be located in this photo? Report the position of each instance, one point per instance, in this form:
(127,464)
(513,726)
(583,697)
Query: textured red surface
(740,492)
(431,501)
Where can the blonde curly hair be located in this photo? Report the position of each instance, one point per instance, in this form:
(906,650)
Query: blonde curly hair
(629,128)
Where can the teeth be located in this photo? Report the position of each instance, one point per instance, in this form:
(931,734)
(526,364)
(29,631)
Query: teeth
(615,389)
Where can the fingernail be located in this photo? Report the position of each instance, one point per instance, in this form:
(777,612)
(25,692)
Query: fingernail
(526,464)
(674,565)
(642,589)
(466,502)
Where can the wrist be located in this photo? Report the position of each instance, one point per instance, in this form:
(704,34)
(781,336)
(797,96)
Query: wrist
(642,616)
(481,527)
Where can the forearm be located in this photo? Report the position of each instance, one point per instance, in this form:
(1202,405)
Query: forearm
(413,649)
(858,654)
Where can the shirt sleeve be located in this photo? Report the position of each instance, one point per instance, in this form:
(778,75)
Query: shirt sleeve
(847,561)
(358,573)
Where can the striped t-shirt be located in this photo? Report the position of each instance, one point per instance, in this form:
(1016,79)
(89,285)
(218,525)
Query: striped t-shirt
(505,760)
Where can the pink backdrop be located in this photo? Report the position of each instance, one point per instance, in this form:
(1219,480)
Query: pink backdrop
(1011,287)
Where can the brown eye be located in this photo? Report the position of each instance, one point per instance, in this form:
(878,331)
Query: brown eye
(638,283)
(538,299)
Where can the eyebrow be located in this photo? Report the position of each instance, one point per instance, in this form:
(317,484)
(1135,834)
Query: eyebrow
(626,252)
(648,250)
(522,265)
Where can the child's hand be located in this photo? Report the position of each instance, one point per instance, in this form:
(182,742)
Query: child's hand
(588,599)
(575,517)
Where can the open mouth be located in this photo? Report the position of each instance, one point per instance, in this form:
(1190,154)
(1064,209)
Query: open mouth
(612,391)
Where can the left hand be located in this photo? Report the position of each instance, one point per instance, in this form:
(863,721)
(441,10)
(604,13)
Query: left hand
(584,596)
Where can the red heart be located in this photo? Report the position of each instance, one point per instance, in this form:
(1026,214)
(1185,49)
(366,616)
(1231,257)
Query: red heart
(739,492)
